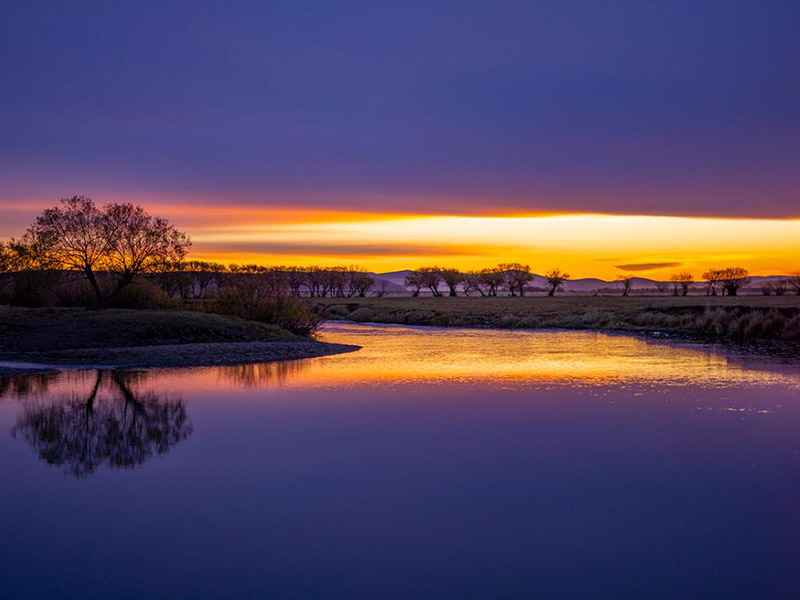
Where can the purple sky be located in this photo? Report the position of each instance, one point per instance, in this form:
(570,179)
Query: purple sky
(687,108)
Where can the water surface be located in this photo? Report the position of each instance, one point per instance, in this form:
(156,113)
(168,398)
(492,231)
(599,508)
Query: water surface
(430,464)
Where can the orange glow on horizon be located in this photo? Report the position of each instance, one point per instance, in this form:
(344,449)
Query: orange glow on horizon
(585,245)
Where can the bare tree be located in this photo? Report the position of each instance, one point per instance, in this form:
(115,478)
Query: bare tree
(516,276)
(684,280)
(383,286)
(733,279)
(431,277)
(295,279)
(452,279)
(75,236)
(360,284)
(204,274)
(492,278)
(473,283)
(627,283)
(555,278)
(712,278)
(794,282)
(414,281)
(122,239)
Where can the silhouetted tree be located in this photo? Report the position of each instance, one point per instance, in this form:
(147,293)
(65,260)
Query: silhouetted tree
(555,278)
(733,279)
(452,279)
(473,283)
(682,280)
(712,278)
(492,278)
(430,278)
(794,282)
(383,286)
(627,283)
(359,283)
(414,281)
(516,276)
(122,239)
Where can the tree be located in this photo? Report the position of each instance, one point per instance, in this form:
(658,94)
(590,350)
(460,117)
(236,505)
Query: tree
(383,286)
(516,276)
(733,279)
(414,281)
(492,278)
(794,282)
(627,283)
(712,277)
(204,274)
(430,278)
(684,279)
(473,283)
(452,278)
(360,284)
(780,286)
(555,278)
(121,239)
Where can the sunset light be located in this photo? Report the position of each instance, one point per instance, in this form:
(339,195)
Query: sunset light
(448,300)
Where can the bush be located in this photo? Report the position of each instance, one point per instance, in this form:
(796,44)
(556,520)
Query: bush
(287,312)
(145,295)
(33,289)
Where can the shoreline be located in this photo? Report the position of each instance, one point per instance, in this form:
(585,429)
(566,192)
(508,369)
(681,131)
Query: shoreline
(768,325)
(168,356)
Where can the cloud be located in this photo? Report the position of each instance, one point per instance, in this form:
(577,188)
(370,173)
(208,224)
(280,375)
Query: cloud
(648,266)
(322,249)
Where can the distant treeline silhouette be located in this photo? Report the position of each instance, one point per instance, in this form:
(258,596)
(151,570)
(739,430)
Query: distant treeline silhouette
(118,255)
(513,279)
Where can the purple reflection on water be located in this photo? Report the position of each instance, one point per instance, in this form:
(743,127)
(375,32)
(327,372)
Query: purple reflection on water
(442,464)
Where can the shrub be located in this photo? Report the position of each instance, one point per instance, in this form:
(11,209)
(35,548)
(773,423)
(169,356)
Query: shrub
(145,295)
(287,312)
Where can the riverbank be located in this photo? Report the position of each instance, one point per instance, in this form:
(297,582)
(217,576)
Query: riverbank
(718,319)
(51,338)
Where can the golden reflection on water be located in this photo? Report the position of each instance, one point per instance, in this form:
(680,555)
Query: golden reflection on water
(397,355)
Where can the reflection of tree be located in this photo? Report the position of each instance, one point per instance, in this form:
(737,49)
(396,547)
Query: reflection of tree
(261,374)
(112,426)
(20,386)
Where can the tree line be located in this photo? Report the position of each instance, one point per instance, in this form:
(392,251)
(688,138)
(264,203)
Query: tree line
(510,277)
(108,248)
(513,278)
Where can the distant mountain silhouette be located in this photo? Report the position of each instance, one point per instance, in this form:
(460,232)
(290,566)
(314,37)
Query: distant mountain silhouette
(586,285)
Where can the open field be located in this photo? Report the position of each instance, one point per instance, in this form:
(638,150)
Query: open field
(741,318)
(145,338)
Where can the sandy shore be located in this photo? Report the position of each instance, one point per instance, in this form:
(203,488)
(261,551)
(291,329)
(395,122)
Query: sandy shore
(169,356)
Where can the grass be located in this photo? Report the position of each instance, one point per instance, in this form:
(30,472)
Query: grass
(743,318)
(25,330)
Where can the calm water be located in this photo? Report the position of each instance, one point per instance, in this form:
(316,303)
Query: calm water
(430,464)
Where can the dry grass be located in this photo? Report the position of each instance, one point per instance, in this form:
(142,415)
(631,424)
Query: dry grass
(719,318)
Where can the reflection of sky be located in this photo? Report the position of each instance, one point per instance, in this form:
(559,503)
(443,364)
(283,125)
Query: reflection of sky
(446,464)
(400,356)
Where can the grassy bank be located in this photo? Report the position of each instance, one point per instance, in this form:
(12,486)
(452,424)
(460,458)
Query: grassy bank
(145,338)
(745,318)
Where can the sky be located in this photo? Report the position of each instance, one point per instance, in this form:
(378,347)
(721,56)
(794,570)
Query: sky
(601,137)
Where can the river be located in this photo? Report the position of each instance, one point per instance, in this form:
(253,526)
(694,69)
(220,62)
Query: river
(431,463)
